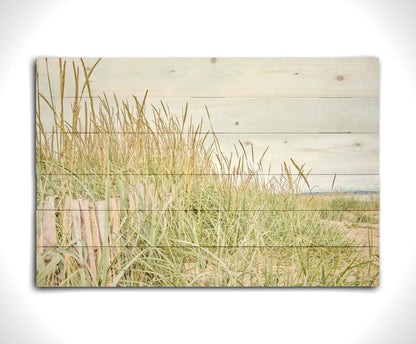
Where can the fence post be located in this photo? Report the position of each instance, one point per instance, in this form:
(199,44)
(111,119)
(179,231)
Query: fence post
(95,233)
(87,235)
(47,230)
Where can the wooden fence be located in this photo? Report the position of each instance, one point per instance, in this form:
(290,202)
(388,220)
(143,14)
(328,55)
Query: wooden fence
(83,222)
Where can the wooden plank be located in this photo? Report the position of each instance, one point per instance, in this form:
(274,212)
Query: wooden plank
(342,183)
(254,115)
(95,232)
(323,182)
(279,115)
(67,221)
(325,153)
(222,77)
(47,227)
(87,235)
(100,212)
(76,222)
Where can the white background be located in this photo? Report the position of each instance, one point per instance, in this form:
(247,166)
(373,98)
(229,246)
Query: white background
(208,28)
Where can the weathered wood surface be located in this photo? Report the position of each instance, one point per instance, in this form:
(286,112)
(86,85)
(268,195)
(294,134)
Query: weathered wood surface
(320,182)
(87,235)
(252,115)
(280,114)
(83,224)
(342,183)
(323,153)
(223,77)
(301,101)
(95,232)
(47,227)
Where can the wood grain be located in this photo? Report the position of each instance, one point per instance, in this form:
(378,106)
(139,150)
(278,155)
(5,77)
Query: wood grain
(95,232)
(222,77)
(323,112)
(87,235)
(320,182)
(47,226)
(323,153)
(251,115)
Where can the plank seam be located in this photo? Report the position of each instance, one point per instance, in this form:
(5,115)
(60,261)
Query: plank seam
(209,210)
(212,246)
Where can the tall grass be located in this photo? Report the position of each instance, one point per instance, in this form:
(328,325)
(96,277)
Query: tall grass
(213,220)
